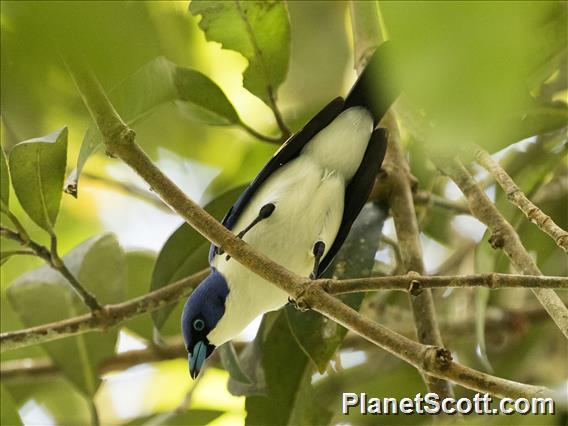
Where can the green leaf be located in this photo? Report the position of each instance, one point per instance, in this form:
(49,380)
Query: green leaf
(37,167)
(155,84)
(192,417)
(317,335)
(185,252)
(7,254)
(259,30)
(200,91)
(231,363)
(4,180)
(42,296)
(140,264)
(8,412)
(287,372)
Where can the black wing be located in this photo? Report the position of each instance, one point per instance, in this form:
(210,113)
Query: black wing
(357,192)
(285,154)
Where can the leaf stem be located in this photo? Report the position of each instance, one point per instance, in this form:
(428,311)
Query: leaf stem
(262,137)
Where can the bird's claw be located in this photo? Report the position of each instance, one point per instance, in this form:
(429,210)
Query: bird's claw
(302,307)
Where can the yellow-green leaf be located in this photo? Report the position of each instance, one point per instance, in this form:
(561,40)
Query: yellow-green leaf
(37,167)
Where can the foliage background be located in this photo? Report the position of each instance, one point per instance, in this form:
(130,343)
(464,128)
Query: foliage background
(493,74)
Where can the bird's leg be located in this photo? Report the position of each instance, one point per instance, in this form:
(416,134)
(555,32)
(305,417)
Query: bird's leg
(319,248)
(264,213)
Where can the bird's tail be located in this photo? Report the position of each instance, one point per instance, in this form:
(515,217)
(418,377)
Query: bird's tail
(376,88)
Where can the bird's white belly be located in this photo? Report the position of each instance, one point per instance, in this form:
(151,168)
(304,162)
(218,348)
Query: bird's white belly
(308,208)
(308,194)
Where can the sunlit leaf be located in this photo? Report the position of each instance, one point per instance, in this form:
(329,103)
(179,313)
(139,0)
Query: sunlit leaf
(259,30)
(8,410)
(140,264)
(37,167)
(156,83)
(4,180)
(186,251)
(193,417)
(318,336)
(5,255)
(42,296)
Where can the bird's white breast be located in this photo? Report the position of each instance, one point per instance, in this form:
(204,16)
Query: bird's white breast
(308,193)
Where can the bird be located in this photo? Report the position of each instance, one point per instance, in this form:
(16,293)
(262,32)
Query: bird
(297,211)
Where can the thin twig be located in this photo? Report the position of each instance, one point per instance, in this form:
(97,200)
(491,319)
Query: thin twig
(520,200)
(425,197)
(435,361)
(504,236)
(54,261)
(415,283)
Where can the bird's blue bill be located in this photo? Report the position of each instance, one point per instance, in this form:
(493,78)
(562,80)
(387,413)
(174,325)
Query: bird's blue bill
(197,359)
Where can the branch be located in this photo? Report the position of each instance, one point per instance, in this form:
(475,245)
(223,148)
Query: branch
(367,36)
(54,261)
(113,315)
(504,236)
(109,316)
(519,200)
(119,140)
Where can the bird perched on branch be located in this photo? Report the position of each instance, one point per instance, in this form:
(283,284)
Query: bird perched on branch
(297,211)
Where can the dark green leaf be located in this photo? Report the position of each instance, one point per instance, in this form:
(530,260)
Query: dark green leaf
(37,167)
(4,180)
(231,363)
(42,295)
(8,411)
(197,417)
(259,30)
(198,90)
(156,83)
(140,265)
(287,373)
(317,335)
(185,252)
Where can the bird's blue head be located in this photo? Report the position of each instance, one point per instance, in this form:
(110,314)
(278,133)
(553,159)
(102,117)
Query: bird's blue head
(201,313)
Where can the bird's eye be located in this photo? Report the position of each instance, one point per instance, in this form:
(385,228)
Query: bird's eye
(198,324)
